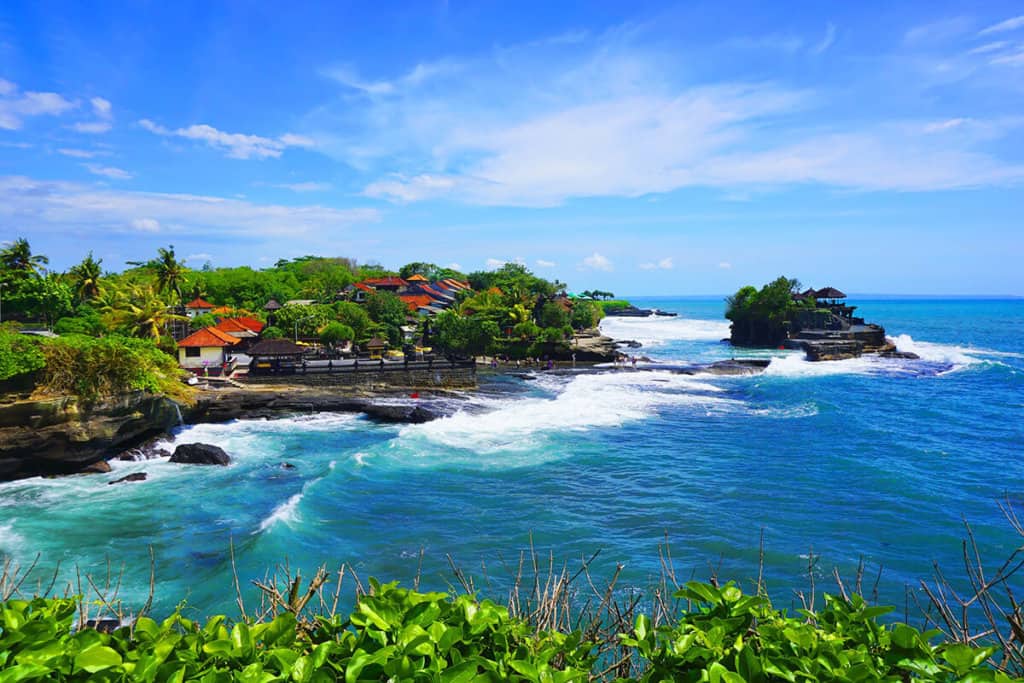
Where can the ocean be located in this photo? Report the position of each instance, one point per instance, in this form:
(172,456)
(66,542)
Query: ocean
(868,459)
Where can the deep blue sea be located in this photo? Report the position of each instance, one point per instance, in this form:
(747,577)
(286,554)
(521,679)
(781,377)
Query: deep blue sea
(869,458)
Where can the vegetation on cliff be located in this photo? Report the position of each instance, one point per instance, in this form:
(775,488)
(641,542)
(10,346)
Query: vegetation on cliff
(759,316)
(396,634)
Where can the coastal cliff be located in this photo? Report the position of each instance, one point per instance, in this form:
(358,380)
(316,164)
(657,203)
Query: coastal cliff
(64,435)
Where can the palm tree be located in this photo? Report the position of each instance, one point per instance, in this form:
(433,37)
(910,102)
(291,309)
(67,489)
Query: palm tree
(143,313)
(18,257)
(87,278)
(170,272)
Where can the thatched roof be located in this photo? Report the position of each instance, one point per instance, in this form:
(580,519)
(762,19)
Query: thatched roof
(276,347)
(829,293)
(376,343)
(272,305)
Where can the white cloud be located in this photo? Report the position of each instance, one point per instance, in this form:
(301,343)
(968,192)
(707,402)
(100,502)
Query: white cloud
(541,263)
(146,224)
(454,266)
(199,257)
(988,47)
(938,31)
(826,42)
(348,76)
(948,124)
(725,265)
(15,107)
(235,145)
(103,111)
(537,129)
(109,172)
(493,264)
(1013,59)
(596,262)
(55,205)
(76,153)
(1010,24)
(304,187)
(663,264)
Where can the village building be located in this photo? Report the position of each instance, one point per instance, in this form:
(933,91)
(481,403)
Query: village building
(206,350)
(198,307)
(275,356)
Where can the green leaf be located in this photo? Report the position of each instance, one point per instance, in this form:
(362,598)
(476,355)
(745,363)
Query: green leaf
(97,658)
(23,672)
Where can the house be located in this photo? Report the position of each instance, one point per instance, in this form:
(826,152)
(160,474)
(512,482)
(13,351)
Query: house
(243,329)
(358,292)
(205,349)
(198,307)
(300,302)
(390,283)
(416,301)
(223,310)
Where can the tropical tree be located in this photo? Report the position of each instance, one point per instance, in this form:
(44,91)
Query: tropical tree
(170,272)
(87,278)
(143,313)
(17,258)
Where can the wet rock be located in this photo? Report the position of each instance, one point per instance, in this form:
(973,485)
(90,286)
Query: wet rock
(404,414)
(908,355)
(100,467)
(200,454)
(287,466)
(134,476)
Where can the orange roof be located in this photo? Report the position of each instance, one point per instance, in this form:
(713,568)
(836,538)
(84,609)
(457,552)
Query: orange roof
(231,325)
(365,288)
(414,301)
(416,278)
(451,282)
(390,280)
(209,336)
(252,323)
(198,303)
(222,310)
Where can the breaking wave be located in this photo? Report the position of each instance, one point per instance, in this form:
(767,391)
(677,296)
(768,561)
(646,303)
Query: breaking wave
(659,330)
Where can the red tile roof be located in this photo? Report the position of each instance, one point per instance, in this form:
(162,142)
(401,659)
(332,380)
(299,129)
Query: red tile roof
(232,325)
(209,336)
(414,301)
(199,303)
(252,323)
(364,287)
(389,281)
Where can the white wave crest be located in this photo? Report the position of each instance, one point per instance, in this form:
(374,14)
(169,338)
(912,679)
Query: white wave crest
(287,512)
(586,401)
(659,330)
(957,356)
(249,436)
(10,540)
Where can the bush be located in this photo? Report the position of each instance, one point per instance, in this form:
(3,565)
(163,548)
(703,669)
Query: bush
(20,354)
(336,332)
(272,332)
(100,368)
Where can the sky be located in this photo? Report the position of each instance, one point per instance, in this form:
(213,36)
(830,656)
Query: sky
(639,148)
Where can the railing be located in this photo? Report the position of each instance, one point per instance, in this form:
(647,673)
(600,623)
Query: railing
(317,367)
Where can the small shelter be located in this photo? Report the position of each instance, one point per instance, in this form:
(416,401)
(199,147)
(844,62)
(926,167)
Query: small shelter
(376,347)
(416,278)
(275,356)
(272,307)
(829,293)
(205,349)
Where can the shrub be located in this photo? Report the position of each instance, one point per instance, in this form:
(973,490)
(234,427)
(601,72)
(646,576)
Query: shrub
(19,354)
(272,332)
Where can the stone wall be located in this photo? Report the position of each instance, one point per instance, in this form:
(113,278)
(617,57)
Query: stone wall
(441,375)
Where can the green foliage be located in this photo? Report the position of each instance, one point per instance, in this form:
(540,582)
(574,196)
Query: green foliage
(19,354)
(309,318)
(335,333)
(86,278)
(585,314)
(18,261)
(553,314)
(734,638)
(34,297)
(430,271)
(465,335)
(98,368)
(394,634)
(272,332)
(515,280)
(389,312)
(613,304)
(759,317)
(202,321)
(85,321)
(355,316)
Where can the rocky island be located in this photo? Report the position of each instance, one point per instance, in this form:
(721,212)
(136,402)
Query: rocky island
(817,321)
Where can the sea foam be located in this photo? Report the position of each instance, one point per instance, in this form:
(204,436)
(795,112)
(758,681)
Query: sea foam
(659,330)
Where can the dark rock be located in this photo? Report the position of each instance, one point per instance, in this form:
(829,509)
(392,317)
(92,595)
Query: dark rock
(738,366)
(629,344)
(146,450)
(843,349)
(103,625)
(406,414)
(200,454)
(100,467)
(287,466)
(909,355)
(135,476)
(64,435)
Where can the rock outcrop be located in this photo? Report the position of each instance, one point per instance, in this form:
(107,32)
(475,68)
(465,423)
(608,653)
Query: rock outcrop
(200,454)
(136,476)
(64,436)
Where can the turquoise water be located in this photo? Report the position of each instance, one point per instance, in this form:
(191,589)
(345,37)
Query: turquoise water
(880,459)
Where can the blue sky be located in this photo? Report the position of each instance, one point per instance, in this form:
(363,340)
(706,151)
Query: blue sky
(641,147)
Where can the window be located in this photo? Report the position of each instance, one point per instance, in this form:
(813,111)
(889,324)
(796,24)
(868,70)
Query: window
(192,351)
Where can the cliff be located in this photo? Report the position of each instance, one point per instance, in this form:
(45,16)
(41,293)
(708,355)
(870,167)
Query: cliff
(64,436)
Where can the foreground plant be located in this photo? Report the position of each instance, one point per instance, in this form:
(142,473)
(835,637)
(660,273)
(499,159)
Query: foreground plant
(394,634)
